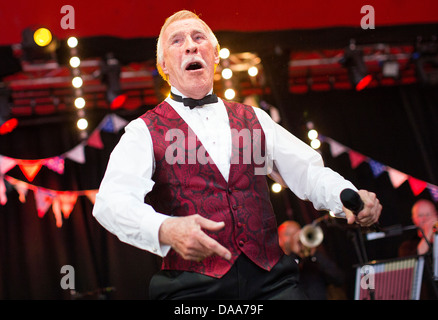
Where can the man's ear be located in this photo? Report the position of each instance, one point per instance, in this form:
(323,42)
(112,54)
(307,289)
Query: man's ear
(216,57)
(163,67)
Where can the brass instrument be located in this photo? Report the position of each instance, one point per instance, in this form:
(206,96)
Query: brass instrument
(311,235)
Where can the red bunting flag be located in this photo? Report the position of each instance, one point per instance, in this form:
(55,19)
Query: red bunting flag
(417,186)
(30,168)
(68,200)
(95,140)
(356,158)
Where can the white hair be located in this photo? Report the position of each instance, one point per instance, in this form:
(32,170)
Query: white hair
(180,15)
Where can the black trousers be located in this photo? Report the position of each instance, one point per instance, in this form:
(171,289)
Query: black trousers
(244,281)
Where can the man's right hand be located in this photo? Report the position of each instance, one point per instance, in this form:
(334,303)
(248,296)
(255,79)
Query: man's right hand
(185,236)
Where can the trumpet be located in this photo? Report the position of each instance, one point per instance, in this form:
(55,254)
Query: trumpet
(311,235)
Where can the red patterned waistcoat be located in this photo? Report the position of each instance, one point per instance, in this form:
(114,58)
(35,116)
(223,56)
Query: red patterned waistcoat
(186,185)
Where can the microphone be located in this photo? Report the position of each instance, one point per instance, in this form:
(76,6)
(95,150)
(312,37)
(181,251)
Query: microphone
(352,201)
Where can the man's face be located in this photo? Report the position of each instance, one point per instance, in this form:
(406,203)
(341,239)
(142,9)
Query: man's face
(189,57)
(425,215)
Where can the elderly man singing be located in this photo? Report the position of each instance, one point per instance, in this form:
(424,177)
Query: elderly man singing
(209,215)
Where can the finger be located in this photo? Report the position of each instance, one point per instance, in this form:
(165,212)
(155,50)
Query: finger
(351,218)
(209,224)
(214,247)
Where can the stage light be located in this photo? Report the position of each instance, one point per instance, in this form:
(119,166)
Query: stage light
(79,102)
(356,67)
(75,62)
(230,94)
(77,82)
(312,134)
(224,53)
(253,71)
(82,124)
(110,76)
(227,73)
(72,42)
(7,124)
(391,69)
(38,44)
(315,143)
(276,187)
(42,37)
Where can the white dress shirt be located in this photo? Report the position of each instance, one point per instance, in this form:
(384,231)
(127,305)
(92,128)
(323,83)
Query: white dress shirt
(120,206)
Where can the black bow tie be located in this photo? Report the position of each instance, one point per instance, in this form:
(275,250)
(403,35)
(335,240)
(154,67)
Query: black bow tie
(191,103)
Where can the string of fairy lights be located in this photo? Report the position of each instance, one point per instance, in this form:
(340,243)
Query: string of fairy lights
(77,82)
(314,142)
(227,73)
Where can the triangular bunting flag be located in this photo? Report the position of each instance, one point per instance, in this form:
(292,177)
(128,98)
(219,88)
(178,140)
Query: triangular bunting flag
(417,186)
(43,201)
(397,178)
(91,195)
(107,124)
(336,148)
(30,168)
(56,207)
(3,197)
(95,141)
(77,154)
(6,164)
(55,164)
(118,122)
(22,189)
(376,167)
(68,201)
(433,191)
(356,158)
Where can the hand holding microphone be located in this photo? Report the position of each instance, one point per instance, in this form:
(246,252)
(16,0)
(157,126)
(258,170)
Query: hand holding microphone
(361,207)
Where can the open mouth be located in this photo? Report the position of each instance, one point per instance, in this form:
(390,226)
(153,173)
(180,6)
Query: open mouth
(194,66)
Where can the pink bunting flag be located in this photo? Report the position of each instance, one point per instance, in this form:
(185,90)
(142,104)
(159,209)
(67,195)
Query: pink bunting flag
(397,178)
(417,186)
(118,122)
(55,164)
(43,200)
(336,148)
(356,158)
(433,191)
(6,164)
(3,198)
(76,154)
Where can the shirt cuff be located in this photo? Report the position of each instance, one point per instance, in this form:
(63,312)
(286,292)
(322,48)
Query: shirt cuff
(150,225)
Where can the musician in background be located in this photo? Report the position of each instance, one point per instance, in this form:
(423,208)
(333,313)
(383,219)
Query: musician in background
(318,273)
(424,216)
